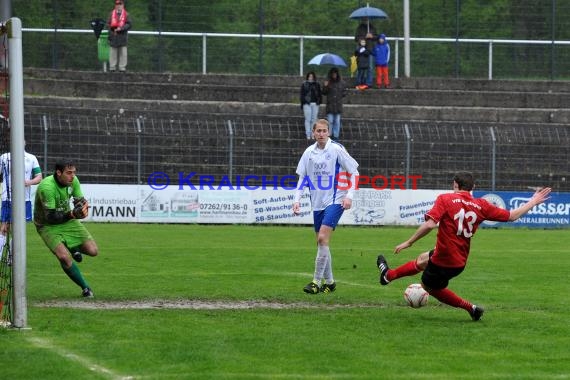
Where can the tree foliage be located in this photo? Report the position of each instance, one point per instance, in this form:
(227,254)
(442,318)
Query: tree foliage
(485,19)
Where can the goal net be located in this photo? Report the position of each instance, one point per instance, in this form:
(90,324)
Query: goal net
(5,250)
(13,308)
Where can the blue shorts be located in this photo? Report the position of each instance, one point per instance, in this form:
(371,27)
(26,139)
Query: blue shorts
(6,214)
(329,216)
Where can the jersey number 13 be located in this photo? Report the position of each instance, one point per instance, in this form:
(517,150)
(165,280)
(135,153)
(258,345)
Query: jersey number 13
(465,222)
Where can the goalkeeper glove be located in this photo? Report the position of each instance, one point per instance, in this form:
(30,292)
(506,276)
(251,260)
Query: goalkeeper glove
(80,208)
(78,201)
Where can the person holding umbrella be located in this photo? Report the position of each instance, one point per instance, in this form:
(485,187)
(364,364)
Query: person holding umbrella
(334,89)
(366,31)
(362,55)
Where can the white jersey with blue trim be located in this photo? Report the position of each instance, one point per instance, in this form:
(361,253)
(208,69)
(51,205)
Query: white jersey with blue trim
(320,170)
(30,163)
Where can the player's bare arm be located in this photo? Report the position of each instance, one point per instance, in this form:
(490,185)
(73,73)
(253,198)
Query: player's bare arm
(296,208)
(346,203)
(540,196)
(34,181)
(422,231)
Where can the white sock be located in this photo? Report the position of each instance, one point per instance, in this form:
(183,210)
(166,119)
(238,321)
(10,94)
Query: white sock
(323,255)
(328,274)
(2,243)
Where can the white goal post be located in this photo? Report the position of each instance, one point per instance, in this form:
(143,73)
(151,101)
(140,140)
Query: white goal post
(18,227)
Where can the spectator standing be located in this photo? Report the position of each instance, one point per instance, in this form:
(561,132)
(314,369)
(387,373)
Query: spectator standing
(119,26)
(335,90)
(311,98)
(382,59)
(366,31)
(362,55)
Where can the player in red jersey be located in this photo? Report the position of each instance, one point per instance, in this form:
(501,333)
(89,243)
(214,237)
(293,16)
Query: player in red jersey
(458,215)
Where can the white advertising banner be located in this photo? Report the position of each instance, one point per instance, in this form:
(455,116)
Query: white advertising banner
(274,206)
(134,203)
(112,203)
(390,207)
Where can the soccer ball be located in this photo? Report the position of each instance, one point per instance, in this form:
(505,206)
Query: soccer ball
(416,296)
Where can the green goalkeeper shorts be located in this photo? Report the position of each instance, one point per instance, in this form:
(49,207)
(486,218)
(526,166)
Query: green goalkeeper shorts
(71,233)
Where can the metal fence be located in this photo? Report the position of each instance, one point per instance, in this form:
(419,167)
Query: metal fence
(469,35)
(128,150)
(239,53)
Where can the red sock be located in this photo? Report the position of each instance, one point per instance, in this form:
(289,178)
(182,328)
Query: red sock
(408,269)
(448,297)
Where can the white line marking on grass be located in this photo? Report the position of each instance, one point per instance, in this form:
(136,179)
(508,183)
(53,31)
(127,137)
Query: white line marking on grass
(254,375)
(196,305)
(86,362)
(299,274)
(242,375)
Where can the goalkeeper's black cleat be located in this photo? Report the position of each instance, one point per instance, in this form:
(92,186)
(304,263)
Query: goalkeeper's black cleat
(87,293)
(383,267)
(76,255)
(328,288)
(476,312)
(311,288)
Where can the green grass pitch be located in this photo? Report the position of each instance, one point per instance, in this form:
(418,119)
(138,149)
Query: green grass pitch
(241,313)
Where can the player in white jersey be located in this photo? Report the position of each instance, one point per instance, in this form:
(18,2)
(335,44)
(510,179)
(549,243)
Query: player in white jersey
(319,169)
(32,176)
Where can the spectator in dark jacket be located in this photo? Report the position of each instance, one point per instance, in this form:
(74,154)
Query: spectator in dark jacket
(119,25)
(311,98)
(335,90)
(366,31)
(382,59)
(362,55)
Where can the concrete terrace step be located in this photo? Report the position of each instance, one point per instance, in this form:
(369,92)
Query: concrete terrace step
(485,85)
(159,91)
(200,92)
(166,78)
(177,109)
(295,81)
(459,98)
(178,96)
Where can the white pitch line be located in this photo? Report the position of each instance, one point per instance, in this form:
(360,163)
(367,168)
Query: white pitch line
(86,362)
(195,305)
(300,274)
(251,375)
(368,286)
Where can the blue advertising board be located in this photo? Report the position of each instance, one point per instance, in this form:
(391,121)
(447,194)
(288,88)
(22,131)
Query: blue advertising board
(554,213)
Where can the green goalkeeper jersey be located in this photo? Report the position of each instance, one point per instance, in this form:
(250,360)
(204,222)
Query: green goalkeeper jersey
(51,195)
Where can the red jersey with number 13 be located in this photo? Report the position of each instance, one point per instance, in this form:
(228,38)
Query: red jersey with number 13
(459,214)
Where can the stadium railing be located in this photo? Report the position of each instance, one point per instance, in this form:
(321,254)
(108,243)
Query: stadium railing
(209,51)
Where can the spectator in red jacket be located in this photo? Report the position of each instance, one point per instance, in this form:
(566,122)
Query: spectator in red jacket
(119,25)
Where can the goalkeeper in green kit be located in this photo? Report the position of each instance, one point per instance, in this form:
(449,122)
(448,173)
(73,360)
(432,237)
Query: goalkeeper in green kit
(58,223)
